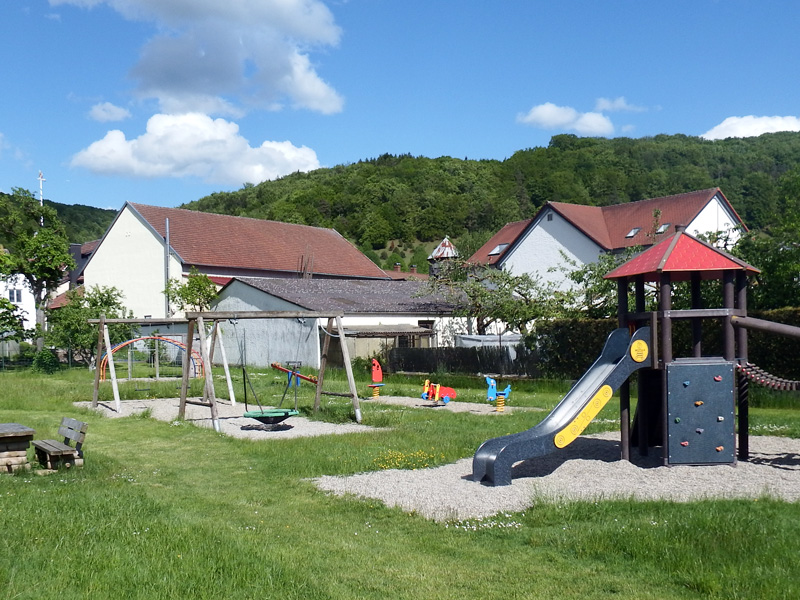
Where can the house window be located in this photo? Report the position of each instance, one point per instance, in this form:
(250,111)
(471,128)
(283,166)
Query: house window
(633,232)
(549,216)
(663,228)
(498,249)
(15,295)
(404,341)
(425,324)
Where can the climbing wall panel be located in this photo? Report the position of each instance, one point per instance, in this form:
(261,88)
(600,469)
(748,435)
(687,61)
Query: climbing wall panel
(700,404)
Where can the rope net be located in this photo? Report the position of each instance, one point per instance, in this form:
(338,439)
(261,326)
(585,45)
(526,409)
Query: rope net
(761,377)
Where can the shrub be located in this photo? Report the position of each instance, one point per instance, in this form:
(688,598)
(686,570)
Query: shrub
(46,361)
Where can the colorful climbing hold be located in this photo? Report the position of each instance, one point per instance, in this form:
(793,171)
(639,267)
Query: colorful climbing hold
(684,444)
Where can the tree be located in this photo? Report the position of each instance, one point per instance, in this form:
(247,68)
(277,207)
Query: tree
(11,321)
(69,327)
(37,246)
(197,293)
(490,296)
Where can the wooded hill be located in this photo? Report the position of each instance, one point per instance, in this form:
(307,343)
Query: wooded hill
(400,201)
(412,199)
(83,223)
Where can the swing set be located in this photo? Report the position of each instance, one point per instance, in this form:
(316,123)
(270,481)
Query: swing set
(196,322)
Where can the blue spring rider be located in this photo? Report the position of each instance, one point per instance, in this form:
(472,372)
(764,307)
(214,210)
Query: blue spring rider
(491,393)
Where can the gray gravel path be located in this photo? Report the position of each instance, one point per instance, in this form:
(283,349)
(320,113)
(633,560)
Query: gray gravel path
(588,469)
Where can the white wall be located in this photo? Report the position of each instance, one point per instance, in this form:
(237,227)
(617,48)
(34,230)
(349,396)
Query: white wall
(543,244)
(714,217)
(131,259)
(27,304)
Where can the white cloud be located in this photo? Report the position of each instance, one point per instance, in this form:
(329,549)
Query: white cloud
(616,105)
(194,145)
(551,116)
(105,112)
(229,56)
(751,126)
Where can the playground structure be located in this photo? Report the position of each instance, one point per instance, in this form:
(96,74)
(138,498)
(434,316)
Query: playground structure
(154,358)
(195,322)
(436,392)
(491,391)
(689,406)
(377,379)
(495,397)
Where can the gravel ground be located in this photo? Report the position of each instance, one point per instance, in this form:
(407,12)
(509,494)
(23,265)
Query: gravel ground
(232,421)
(588,469)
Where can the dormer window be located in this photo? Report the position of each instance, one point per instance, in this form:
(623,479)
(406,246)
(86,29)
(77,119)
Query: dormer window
(498,249)
(633,232)
(663,228)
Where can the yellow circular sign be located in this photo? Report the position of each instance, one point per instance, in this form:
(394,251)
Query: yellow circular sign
(639,351)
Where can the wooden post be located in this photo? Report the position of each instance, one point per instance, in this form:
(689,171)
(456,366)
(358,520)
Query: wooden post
(728,336)
(225,366)
(111,369)
(697,324)
(743,411)
(625,388)
(97,360)
(665,293)
(348,368)
(187,362)
(326,344)
(208,388)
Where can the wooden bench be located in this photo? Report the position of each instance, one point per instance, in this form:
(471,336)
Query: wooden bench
(51,453)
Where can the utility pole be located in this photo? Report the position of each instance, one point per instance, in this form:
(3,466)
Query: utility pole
(41,197)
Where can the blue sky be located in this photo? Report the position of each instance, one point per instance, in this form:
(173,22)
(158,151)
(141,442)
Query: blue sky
(165,101)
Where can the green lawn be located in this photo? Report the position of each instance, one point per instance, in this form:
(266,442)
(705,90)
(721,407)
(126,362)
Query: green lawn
(168,510)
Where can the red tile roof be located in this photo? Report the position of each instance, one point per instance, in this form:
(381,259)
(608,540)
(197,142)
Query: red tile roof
(223,241)
(507,235)
(680,254)
(608,226)
(61,300)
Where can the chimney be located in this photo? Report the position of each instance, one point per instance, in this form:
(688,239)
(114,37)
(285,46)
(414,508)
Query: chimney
(680,228)
(412,269)
(396,267)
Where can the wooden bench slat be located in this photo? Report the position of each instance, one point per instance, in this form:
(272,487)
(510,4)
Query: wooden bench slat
(54,447)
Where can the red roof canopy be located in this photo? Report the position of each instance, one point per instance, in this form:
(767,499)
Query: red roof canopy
(680,255)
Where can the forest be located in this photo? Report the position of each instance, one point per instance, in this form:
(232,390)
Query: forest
(403,200)
(81,223)
(396,207)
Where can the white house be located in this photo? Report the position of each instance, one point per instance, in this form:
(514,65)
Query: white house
(377,314)
(582,233)
(16,291)
(146,246)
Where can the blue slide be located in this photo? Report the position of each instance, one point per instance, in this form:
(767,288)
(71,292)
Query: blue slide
(622,355)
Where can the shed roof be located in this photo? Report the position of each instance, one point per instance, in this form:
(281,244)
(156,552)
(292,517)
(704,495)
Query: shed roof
(680,255)
(352,296)
(225,241)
